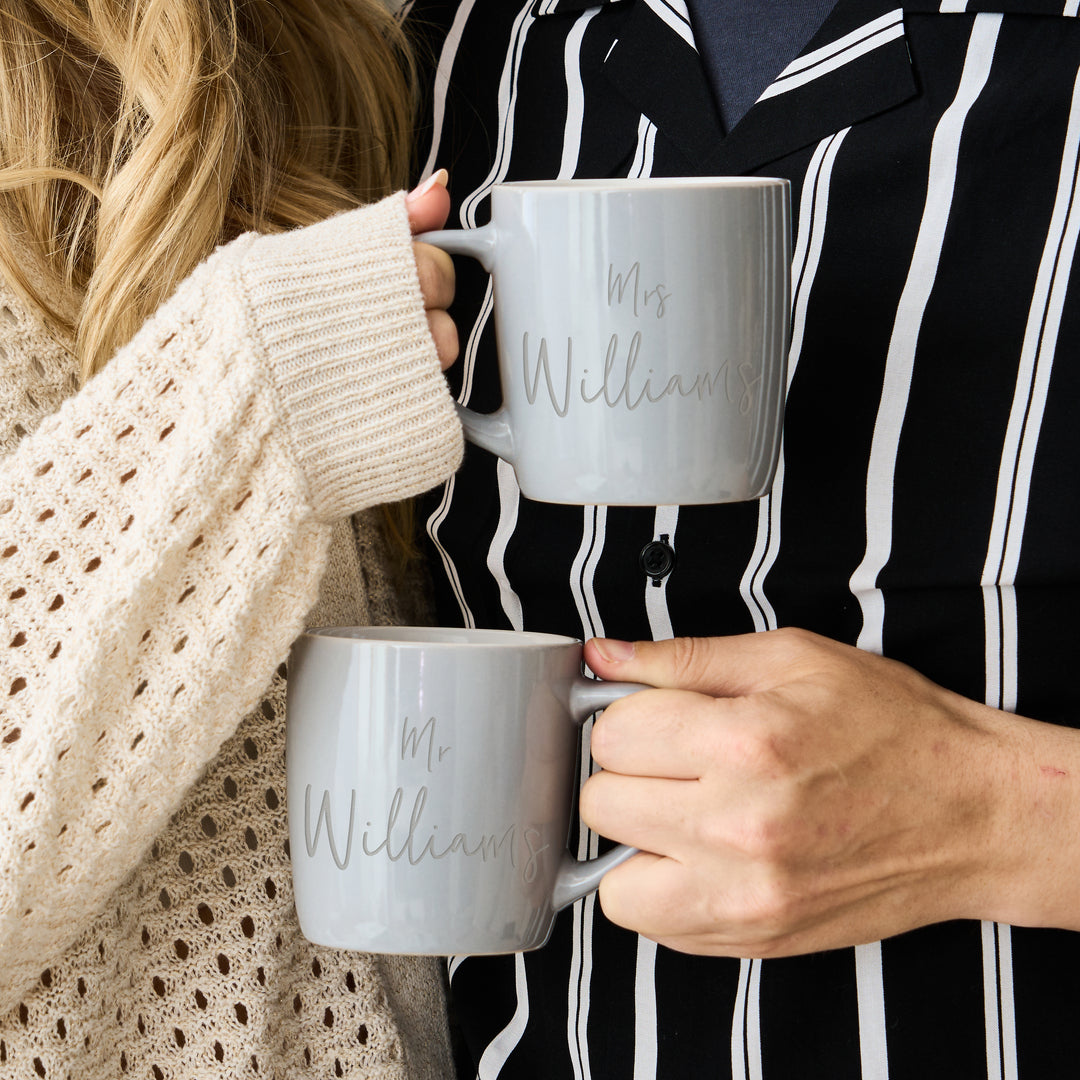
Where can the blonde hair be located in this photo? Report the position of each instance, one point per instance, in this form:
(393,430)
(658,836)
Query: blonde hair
(137,135)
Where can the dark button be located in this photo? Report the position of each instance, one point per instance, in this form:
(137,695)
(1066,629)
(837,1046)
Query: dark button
(657,559)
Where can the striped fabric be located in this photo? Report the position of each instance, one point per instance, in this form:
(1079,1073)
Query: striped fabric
(926,504)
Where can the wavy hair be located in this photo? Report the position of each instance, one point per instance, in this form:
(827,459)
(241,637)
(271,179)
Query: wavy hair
(137,135)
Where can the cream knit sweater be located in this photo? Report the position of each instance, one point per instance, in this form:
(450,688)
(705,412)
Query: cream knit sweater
(163,534)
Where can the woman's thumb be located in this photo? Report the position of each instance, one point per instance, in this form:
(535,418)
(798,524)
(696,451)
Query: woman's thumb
(428,203)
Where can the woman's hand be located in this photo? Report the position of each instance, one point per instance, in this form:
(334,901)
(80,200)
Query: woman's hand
(429,205)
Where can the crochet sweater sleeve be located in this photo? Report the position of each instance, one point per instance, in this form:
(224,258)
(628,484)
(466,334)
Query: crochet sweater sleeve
(162,536)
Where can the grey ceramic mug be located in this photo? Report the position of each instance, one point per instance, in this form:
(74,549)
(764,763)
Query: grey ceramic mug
(642,329)
(430,784)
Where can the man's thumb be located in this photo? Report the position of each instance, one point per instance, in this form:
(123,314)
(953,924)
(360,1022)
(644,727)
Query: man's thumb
(712,665)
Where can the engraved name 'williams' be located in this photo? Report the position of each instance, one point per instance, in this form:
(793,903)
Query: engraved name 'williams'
(419,839)
(621,383)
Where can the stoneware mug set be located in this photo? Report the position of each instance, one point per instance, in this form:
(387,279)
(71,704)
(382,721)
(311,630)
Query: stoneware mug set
(642,334)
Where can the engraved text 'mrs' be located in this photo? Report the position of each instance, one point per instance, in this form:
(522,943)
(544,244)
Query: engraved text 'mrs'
(641,297)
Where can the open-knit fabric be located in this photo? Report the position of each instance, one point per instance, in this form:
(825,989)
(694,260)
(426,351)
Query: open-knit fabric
(163,534)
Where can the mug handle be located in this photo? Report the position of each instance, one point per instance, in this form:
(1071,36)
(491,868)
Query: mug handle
(575,878)
(491,431)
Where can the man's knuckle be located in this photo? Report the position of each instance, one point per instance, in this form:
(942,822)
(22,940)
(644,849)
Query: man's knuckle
(686,657)
(793,641)
(766,910)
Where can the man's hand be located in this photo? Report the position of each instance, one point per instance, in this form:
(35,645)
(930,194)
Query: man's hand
(791,794)
(428,206)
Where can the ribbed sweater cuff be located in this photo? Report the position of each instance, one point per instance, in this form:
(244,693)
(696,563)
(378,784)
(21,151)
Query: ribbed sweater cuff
(338,309)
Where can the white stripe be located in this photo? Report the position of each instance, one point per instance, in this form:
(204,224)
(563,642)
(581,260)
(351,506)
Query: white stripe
(804,69)
(949,7)
(766,546)
(575,95)
(1009,1061)
(992,596)
(674,14)
(665,522)
(990,1001)
(1025,419)
(509,492)
(442,82)
(746,1024)
(888,21)
(1009,635)
(439,515)
(1006,536)
(595,624)
(500,1048)
(434,522)
(582,573)
(509,498)
(901,355)
(870,989)
(796,77)
(883,451)
(584,914)
(1072,7)
(738,1024)
(472,346)
(813,210)
(998,1002)
(753,1023)
(645,1038)
(507,99)
(643,151)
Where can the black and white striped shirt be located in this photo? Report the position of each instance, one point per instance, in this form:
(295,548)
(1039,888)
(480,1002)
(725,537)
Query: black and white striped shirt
(926,506)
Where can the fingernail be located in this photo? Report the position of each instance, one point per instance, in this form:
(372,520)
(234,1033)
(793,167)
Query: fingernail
(438,178)
(614,651)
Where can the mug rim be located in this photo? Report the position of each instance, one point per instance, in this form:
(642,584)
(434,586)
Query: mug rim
(644,183)
(439,637)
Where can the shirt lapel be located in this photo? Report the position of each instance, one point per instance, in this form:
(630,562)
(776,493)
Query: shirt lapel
(856,66)
(655,65)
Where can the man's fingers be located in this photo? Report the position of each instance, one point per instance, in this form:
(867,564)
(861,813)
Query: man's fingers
(663,733)
(651,894)
(644,812)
